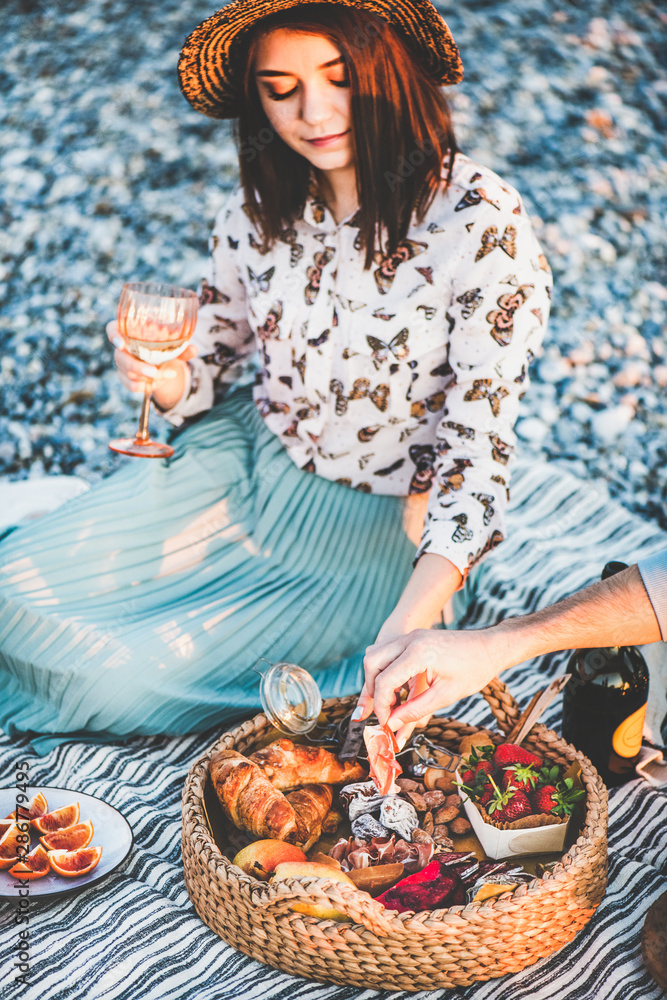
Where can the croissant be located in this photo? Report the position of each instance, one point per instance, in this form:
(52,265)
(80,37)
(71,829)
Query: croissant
(311,805)
(287,765)
(249,799)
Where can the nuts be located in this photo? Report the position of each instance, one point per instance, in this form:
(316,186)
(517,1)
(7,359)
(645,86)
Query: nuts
(421,837)
(435,777)
(446,814)
(459,825)
(441,837)
(417,801)
(408,785)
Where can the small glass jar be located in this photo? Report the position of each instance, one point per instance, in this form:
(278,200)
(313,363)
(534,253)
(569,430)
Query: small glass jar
(290,697)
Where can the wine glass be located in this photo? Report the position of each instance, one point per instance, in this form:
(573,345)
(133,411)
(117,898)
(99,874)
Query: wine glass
(156,321)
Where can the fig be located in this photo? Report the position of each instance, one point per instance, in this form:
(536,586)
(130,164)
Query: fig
(72,864)
(69,839)
(58,820)
(33,865)
(398,815)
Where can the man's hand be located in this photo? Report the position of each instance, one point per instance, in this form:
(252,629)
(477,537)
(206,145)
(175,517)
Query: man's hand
(438,668)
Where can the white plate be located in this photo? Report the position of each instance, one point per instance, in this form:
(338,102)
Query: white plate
(112,833)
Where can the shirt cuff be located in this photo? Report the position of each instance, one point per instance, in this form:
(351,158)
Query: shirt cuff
(653,572)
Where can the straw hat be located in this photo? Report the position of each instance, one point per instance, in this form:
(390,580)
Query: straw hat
(210,68)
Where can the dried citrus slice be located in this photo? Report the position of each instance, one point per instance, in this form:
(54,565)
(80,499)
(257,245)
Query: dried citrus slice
(71,864)
(58,820)
(69,839)
(37,806)
(10,845)
(33,865)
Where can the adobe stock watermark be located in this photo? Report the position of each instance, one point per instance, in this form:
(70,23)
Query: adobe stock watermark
(22,885)
(255,144)
(407,165)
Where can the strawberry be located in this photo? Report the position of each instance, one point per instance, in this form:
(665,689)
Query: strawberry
(486,794)
(558,799)
(523,777)
(510,753)
(483,767)
(506,806)
(543,799)
(477,787)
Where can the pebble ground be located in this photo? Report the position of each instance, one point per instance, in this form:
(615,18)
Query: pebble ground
(106,175)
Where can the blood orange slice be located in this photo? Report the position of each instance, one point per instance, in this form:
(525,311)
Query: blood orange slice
(71,864)
(9,846)
(33,865)
(69,839)
(37,806)
(4,826)
(58,820)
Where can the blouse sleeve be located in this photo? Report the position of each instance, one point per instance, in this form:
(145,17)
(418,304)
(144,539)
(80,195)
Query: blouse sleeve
(498,309)
(223,334)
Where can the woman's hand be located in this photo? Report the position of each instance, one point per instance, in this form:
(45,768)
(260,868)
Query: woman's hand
(438,668)
(168,379)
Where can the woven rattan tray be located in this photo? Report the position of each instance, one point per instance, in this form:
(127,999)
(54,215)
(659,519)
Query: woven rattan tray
(379,948)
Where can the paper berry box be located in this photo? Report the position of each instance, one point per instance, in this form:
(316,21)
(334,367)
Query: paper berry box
(511,840)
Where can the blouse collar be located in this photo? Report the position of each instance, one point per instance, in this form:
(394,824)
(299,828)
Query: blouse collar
(317,213)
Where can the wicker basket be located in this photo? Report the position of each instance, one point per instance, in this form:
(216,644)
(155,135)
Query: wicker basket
(379,948)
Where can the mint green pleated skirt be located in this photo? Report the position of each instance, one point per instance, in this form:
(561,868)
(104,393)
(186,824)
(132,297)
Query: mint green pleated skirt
(142,606)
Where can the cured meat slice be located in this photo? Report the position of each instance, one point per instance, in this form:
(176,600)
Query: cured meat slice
(382,749)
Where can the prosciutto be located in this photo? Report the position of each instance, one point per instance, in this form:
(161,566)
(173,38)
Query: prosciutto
(382,749)
(358,853)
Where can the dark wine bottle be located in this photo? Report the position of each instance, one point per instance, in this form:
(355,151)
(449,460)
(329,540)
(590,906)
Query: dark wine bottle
(604,704)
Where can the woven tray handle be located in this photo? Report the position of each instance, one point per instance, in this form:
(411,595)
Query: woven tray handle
(502,704)
(358,906)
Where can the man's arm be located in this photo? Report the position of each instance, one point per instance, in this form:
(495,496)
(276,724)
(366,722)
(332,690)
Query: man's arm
(617,611)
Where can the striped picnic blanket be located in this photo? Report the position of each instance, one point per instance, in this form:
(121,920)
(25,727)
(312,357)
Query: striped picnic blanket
(136,936)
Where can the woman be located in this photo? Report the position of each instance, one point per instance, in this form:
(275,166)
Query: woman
(393,293)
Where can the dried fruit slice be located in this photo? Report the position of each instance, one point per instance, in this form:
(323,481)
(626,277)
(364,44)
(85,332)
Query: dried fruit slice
(58,820)
(9,846)
(71,864)
(33,865)
(69,839)
(37,807)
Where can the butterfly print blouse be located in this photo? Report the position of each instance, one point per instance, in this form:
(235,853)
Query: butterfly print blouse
(405,378)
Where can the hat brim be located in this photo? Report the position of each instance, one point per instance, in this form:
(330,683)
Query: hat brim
(210,67)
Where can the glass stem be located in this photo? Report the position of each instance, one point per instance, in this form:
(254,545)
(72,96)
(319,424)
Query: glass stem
(142,433)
